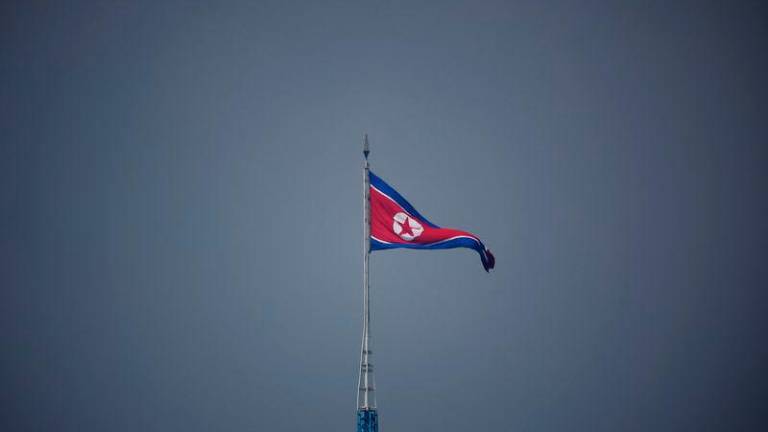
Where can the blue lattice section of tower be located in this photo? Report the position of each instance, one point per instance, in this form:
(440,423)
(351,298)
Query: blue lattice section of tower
(367,420)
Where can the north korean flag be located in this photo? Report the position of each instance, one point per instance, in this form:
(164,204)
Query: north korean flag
(396,224)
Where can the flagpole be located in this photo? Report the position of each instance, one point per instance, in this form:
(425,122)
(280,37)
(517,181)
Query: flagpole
(367,416)
(366,286)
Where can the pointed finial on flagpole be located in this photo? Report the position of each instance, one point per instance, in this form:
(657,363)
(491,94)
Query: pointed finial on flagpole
(366,149)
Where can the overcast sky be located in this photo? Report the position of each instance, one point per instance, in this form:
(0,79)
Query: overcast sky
(181,223)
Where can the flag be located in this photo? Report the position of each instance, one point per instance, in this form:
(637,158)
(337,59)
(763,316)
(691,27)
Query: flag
(396,224)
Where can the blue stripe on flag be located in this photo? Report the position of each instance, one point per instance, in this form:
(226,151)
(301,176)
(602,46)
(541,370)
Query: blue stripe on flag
(386,189)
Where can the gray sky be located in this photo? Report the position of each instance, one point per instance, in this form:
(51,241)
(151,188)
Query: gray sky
(181,238)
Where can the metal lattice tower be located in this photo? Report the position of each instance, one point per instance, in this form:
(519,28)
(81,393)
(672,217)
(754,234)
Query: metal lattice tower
(367,416)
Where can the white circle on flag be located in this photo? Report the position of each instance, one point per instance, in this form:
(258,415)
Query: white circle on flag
(406,227)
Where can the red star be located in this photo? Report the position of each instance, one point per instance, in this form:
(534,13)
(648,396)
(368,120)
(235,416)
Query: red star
(406,228)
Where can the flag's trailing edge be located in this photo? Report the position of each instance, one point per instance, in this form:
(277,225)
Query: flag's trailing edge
(396,224)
